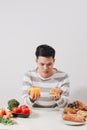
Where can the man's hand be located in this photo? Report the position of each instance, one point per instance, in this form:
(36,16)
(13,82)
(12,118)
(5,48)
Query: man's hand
(55,93)
(35,95)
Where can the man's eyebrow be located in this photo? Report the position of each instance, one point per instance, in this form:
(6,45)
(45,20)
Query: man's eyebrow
(46,64)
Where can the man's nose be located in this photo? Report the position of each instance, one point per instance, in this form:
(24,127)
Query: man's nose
(45,67)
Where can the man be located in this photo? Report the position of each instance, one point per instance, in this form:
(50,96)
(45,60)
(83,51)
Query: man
(53,84)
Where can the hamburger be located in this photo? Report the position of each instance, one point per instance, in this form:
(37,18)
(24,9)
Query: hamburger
(55,92)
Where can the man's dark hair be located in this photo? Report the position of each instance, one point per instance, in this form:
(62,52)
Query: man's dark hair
(45,51)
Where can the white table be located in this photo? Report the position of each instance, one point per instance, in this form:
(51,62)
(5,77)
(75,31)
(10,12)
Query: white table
(43,119)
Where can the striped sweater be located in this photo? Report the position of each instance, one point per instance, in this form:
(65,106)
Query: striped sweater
(58,80)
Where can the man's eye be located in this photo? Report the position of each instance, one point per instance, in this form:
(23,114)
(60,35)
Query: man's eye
(49,64)
(42,64)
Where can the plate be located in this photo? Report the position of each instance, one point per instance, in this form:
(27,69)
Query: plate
(74,123)
(20,115)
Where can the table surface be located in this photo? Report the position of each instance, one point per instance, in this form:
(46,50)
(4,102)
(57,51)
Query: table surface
(43,119)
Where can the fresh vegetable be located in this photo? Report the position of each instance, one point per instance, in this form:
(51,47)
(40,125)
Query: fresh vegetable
(23,106)
(2,112)
(7,121)
(8,115)
(25,111)
(16,110)
(13,103)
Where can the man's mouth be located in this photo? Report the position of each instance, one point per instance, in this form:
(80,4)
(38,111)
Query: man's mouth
(45,72)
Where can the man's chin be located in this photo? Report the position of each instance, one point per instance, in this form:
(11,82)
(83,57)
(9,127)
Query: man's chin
(45,75)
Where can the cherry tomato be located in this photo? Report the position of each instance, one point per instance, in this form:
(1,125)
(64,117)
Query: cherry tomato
(23,106)
(16,110)
(2,112)
(25,111)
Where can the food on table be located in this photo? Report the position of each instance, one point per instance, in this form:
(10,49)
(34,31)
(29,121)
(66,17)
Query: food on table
(34,90)
(21,111)
(18,110)
(73,117)
(77,105)
(82,113)
(15,110)
(25,109)
(5,117)
(72,105)
(24,106)
(7,121)
(8,115)
(75,111)
(85,108)
(2,112)
(13,103)
(81,105)
(70,110)
(55,91)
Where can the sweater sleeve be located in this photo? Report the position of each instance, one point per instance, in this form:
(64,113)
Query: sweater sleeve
(65,86)
(27,83)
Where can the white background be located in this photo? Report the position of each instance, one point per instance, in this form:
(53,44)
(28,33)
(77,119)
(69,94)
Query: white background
(25,24)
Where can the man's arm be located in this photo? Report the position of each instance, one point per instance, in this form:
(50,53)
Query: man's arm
(65,87)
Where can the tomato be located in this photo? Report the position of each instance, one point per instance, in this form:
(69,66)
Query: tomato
(16,110)
(25,111)
(2,112)
(23,106)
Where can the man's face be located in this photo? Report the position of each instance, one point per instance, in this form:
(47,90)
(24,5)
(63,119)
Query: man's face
(45,66)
